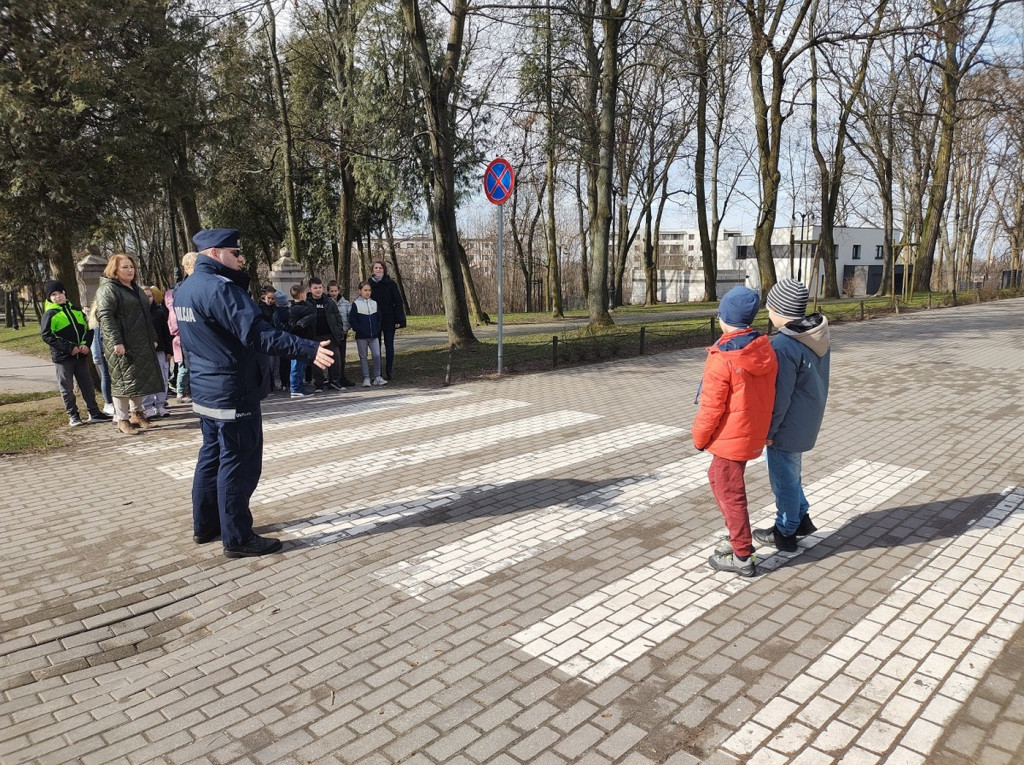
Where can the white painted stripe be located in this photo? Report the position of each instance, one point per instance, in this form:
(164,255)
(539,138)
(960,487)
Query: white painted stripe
(324,475)
(331,407)
(458,564)
(912,662)
(344,523)
(601,633)
(306,443)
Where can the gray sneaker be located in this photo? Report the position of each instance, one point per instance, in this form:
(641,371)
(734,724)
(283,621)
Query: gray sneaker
(724,547)
(74,421)
(730,562)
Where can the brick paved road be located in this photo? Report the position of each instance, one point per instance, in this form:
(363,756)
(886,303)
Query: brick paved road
(514,572)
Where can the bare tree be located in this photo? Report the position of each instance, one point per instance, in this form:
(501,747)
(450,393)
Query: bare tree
(962,28)
(847,77)
(437,89)
(715,65)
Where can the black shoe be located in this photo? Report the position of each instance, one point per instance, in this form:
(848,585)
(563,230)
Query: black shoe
(806,527)
(99,416)
(346,383)
(387,376)
(318,389)
(773,537)
(336,386)
(208,536)
(253,546)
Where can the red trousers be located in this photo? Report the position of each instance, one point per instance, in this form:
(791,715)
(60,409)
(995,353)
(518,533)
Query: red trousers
(726,479)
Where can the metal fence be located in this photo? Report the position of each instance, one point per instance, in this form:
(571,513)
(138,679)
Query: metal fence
(627,341)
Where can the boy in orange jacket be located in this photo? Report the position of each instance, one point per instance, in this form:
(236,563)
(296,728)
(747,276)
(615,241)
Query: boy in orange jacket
(737,395)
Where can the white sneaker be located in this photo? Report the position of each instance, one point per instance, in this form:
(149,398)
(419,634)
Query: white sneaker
(366,382)
(380,381)
(108,409)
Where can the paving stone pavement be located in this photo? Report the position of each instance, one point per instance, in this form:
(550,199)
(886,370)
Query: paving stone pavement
(514,571)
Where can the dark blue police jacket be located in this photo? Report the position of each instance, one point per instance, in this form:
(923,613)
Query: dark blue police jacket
(221,330)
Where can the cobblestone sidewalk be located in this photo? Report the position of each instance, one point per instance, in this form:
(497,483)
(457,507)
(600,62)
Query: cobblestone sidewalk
(515,572)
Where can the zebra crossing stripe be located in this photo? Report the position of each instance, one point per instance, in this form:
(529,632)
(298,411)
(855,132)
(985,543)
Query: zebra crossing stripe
(343,523)
(606,630)
(328,409)
(911,663)
(326,474)
(479,555)
(335,439)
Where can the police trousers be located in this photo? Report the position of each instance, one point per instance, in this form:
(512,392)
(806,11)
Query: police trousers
(227,472)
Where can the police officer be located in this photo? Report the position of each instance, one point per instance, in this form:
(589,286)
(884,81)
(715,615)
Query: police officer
(223,333)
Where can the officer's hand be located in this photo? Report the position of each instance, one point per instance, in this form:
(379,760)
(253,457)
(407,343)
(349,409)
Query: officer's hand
(324,356)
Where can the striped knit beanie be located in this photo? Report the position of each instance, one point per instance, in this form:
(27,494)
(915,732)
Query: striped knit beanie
(788,298)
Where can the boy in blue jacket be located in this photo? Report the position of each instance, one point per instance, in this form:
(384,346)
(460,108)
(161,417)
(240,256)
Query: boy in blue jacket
(801,389)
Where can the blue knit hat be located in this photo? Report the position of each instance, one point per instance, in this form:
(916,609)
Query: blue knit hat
(739,307)
(216,237)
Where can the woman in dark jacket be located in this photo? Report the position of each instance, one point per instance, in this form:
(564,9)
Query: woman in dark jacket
(129,342)
(388,297)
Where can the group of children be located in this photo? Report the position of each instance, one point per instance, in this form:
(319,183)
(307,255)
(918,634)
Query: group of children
(759,394)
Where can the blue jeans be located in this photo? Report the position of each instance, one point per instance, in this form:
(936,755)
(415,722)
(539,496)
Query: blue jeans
(298,376)
(183,383)
(227,472)
(784,474)
(101,367)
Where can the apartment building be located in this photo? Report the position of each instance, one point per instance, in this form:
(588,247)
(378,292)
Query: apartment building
(681,273)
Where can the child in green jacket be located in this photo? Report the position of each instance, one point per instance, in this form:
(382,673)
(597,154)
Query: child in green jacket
(65,329)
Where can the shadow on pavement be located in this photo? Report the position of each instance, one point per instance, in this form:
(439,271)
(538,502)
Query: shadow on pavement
(467,503)
(898,526)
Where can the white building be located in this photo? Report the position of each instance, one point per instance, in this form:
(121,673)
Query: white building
(681,273)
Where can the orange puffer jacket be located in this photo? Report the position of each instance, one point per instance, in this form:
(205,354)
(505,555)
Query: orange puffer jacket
(737,395)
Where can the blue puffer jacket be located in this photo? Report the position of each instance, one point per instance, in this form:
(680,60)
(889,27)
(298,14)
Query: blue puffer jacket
(222,330)
(801,388)
(364,318)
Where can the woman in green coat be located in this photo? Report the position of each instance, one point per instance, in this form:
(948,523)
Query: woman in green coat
(129,340)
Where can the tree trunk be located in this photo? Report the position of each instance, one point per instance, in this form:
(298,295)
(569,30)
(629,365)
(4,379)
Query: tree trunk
(554,275)
(62,264)
(290,207)
(389,231)
(436,91)
(600,221)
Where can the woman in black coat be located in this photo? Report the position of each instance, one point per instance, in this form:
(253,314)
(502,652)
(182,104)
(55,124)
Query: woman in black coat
(386,294)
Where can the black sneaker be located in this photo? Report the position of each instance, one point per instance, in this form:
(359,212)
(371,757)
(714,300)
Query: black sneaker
(346,383)
(207,536)
(729,562)
(318,389)
(98,416)
(253,546)
(775,539)
(336,386)
(806,527)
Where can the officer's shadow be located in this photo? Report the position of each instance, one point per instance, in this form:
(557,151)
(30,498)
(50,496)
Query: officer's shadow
(451,505)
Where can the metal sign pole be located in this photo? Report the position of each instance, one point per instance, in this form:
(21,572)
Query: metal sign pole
(501,223)
(499,180)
